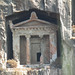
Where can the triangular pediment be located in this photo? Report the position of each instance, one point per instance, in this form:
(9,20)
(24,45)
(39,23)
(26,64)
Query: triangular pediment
(33,21)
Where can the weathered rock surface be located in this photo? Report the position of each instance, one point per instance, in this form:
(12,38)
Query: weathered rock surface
(48,5)
(61,6)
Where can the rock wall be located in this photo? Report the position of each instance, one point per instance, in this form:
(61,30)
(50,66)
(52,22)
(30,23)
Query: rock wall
(48,5)
(33,72)
(5,9)
(59,6)
(64,8)
(67,43)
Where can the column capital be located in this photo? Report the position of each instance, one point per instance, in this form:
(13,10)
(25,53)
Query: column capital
(27,36)
(41,36)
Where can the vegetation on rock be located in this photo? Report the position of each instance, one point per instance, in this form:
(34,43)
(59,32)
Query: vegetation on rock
(11,63)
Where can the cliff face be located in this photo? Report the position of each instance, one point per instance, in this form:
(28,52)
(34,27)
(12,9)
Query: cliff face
(63,7)
(49,5)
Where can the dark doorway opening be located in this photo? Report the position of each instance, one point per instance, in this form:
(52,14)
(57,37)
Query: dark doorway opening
(38,56)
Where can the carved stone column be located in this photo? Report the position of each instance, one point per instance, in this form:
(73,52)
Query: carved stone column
(27,49)
(42,53)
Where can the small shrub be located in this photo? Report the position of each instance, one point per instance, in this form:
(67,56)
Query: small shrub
(11,63)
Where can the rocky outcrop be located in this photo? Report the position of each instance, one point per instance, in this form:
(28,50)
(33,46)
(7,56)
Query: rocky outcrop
(48,5)
(25,71)
(59,6)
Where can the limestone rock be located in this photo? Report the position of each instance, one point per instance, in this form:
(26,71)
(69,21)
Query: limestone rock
(48,5)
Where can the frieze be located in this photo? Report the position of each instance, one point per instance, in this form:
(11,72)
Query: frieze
(35,28)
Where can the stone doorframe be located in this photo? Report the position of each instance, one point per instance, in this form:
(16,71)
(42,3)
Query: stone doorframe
(16,43)
(28,57)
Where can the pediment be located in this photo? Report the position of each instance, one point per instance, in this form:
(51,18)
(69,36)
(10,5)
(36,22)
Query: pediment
(33,21)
